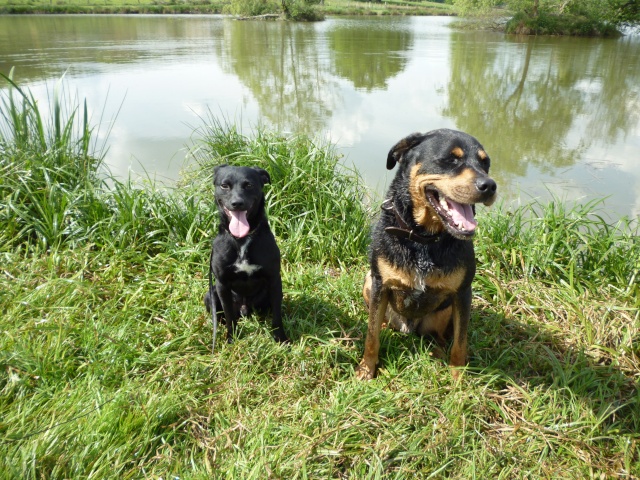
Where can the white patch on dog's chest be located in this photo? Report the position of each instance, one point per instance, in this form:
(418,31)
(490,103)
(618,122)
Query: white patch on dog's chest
(246,267)
(419,287)
(242,262)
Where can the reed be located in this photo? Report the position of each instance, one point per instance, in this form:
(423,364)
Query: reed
(49,175)
(563,243)
(317,208)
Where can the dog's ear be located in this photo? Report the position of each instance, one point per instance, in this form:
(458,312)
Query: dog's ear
(399,149)
(216,169)
(264,175)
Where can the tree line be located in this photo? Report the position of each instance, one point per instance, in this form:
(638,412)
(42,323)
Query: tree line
(584,17)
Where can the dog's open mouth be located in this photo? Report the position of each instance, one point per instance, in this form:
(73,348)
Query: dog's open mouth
(458,218)
(238,223)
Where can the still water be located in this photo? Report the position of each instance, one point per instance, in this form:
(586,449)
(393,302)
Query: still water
(557,115)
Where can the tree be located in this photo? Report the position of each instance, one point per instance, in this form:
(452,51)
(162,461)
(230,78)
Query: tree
(616,12)
(625,11)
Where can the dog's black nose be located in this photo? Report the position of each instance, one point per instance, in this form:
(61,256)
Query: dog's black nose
(486,185)
(237,204)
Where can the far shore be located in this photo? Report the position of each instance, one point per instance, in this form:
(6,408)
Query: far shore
(330,7)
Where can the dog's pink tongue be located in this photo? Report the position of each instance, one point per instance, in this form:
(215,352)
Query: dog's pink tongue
(462,215)
(238,224)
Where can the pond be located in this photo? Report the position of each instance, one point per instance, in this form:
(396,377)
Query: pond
(558,116)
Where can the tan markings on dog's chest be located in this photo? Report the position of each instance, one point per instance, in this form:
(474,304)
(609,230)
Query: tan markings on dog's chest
(409,279)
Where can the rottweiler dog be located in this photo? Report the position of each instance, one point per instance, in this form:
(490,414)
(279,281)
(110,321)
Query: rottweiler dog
(245,259)
(421,254)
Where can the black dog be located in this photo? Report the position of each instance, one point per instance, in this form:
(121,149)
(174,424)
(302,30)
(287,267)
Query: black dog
(421,254)
(245,260)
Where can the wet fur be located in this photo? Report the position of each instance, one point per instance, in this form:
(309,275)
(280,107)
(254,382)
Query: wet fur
(424,287)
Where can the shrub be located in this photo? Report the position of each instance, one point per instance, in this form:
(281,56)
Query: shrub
(549,24)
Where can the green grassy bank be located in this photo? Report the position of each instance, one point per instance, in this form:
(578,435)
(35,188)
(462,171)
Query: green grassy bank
(105,362)
(328,7)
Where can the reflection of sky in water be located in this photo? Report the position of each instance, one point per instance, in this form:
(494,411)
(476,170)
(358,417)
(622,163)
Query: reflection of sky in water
(165,90)
(368,124)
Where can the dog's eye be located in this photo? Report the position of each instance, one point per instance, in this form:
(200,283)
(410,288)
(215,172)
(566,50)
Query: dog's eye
(224,186)
(248,186)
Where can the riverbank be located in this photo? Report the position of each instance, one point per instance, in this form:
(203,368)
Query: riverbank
(328,7)
(105,353)
(519,24)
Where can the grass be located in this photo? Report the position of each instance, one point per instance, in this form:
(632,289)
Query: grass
(105,363)
(112,6)
(387,7)
(329,7)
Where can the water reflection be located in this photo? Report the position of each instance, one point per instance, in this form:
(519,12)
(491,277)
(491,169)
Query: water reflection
(40,45)
(530,108)
(369,53)
(556,114)
(282,66)
(546,104)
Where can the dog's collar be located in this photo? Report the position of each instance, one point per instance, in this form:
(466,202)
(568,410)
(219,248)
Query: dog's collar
(404,230)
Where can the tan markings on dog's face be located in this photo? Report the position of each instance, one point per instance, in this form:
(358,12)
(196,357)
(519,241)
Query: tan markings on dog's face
(457,152)
(394,277)
(423,212)
(482,154)
(460,188)
(449,282)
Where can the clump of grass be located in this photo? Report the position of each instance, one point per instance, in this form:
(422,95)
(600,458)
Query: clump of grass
(47,171)
(317,207)
(559,243)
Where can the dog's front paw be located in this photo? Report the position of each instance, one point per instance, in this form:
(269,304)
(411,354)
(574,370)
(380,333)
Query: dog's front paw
(364,371)
(278,334)
(281,337)
(456,372)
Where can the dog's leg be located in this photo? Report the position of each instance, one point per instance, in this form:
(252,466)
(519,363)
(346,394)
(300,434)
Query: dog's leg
(214,321)
(379,300)
(366,289)
(460,318)
(231,318)
(275,293)
(211,303)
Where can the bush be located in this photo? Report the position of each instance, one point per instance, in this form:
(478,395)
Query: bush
(302,10)
(549,24)
(251,8)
